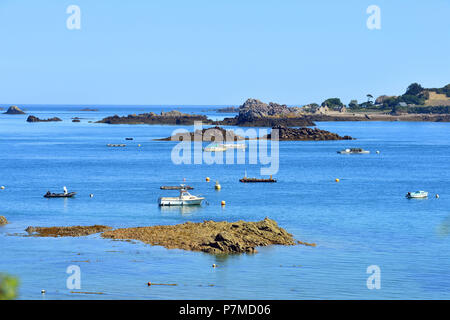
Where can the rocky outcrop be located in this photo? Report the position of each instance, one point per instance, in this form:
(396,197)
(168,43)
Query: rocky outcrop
(228,110)
(36,119)
(89,109)
(209,236)
(3,220)
(172,117)
(254,113)
(14,110)
(76,231)
(305,134)
(209,134)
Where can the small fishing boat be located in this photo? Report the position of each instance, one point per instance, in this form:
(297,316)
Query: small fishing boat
(184,199)
(176,187)
(116,145)
(129,139)
(59,195)
(214,147)
(247,179)
(235,146)
(353,151)
(417,195)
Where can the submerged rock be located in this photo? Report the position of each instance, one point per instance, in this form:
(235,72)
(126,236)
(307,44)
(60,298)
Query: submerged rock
(76,231)
(36,119)
(3,220)
(209,236)
(14,110)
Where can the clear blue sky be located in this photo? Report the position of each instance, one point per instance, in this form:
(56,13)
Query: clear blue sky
(218,51)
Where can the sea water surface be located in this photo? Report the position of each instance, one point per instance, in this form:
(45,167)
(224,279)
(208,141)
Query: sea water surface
(361,221)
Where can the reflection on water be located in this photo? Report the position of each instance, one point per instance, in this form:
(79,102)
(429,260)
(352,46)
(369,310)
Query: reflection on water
(184,210)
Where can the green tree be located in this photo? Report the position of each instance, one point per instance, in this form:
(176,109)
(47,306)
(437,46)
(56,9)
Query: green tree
(8,287)
(414,89)
(353,104)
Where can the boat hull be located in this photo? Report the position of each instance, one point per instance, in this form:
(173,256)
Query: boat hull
(179,202)
(60,195)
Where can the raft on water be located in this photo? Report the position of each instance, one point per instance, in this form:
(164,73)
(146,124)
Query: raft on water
(176,187)
(246,179)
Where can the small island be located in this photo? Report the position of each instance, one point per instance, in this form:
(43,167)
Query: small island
(36,119)
(219,134)
(216,134)
(171,117)
(14,110)
(305,134)
(254,113)
(208,236)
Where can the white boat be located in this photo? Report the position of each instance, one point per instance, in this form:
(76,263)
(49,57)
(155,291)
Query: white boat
(234,145)
(353,151)
(215,148)
(184,199)
(417,195)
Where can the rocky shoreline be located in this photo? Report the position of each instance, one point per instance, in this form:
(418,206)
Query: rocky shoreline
(208,236)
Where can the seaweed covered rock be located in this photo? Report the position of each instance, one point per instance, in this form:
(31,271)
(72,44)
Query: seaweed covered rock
(36,119)
(3,220)
(209,236)
(304,134)
(76,231)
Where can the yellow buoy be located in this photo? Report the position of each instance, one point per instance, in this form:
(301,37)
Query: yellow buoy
(2,187)
(222,203)
(217,186)
(214,265)
(139,145)
(337,180)
(207,179)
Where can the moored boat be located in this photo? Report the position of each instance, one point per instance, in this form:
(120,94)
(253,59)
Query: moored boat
(184,199)
(59,195)
(353,151)
(417,195)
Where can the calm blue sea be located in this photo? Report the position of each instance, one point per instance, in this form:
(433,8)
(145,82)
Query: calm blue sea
(361,221)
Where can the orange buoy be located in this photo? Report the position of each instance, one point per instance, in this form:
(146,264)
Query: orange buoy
(207,179)
(337,180)
(222,203)
(149,283)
